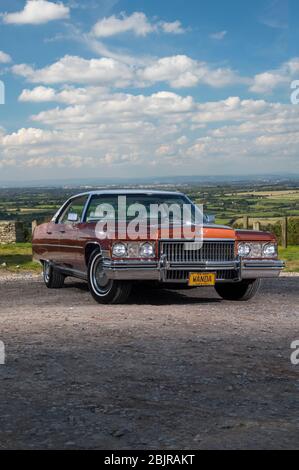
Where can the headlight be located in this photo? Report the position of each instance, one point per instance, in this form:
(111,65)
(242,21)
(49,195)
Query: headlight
(119,250)
(270,250)
(133,250)
(244,249)
(147,250)
(257,250)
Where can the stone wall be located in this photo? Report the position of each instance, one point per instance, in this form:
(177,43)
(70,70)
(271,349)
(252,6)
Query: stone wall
(11,232)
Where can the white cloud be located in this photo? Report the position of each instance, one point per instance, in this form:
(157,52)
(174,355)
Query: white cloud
(4,58)
(218,35)
(38,95)
(68,95)
(260,133)
(30,136)
(181,71)
(231,109)
(160,130)
(119,107)
(267,82)
(292,66)
(183,140)
(178,71)
(165,150)
(93,126)
(137,23)
(74,69)
(174,27)
(38,12)
(114,129)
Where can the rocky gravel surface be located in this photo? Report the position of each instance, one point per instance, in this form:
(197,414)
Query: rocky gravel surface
(169,370)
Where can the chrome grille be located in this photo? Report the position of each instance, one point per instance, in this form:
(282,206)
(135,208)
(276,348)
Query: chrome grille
(176,252)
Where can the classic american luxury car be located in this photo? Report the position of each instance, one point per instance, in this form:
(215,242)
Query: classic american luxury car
(75,244)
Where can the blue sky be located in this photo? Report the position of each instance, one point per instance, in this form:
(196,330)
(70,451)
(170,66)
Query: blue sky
(128,88)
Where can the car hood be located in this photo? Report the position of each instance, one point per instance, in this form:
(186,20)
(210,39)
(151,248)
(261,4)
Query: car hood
(158,232)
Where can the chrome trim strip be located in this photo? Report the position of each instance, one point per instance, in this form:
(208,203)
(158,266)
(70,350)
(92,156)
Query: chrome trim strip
(71,272)
(185,240)
(60,211)
(71,246)
(222,227)
(46,244)
(130,265)
(207,265)
(83,218)
(262,264)
(57,246)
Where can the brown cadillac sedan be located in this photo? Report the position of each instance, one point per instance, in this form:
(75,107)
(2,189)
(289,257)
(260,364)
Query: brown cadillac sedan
(83,241)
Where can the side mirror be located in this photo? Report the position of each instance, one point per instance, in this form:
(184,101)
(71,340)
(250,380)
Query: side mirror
(73,217)
(210,219)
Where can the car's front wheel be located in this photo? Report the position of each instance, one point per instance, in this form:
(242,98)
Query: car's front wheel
(241,291)
(104,290)
(52,278)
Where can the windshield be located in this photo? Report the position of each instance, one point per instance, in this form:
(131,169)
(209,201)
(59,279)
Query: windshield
(161,208)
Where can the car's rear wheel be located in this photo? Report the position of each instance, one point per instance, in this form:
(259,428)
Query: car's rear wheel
(52,278)
(241,291)
(104,290)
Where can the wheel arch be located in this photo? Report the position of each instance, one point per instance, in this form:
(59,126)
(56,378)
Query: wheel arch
(90,247)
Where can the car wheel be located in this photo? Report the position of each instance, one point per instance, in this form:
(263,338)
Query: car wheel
(52,278)
(104,290)
(242,291)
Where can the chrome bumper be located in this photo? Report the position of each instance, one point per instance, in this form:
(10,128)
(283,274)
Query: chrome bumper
(157,270)
(254,269)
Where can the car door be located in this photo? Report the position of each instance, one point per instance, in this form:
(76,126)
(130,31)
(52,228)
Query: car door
(49,242)
(68,224)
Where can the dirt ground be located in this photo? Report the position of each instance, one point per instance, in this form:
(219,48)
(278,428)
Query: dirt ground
(169,370)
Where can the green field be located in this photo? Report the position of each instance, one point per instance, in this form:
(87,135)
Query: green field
(227,202)
(18,258)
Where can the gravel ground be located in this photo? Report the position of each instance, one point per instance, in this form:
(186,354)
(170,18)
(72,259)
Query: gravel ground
(169,370)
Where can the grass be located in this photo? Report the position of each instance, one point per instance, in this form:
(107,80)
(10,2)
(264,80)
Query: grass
(291,256)
(18,258)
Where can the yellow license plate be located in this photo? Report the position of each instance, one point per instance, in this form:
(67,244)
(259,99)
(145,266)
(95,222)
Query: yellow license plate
(202,279)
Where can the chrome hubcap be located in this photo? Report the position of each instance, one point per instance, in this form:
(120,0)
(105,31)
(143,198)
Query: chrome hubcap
(47,271)
(100,281)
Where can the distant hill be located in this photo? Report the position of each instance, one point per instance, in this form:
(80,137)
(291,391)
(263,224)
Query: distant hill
(157,180)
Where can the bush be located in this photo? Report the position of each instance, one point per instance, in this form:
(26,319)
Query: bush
(293,230)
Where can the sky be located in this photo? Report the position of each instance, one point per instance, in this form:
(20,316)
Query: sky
(127,88)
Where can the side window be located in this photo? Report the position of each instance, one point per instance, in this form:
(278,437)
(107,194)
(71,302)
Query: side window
(74,211)
(100,207)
